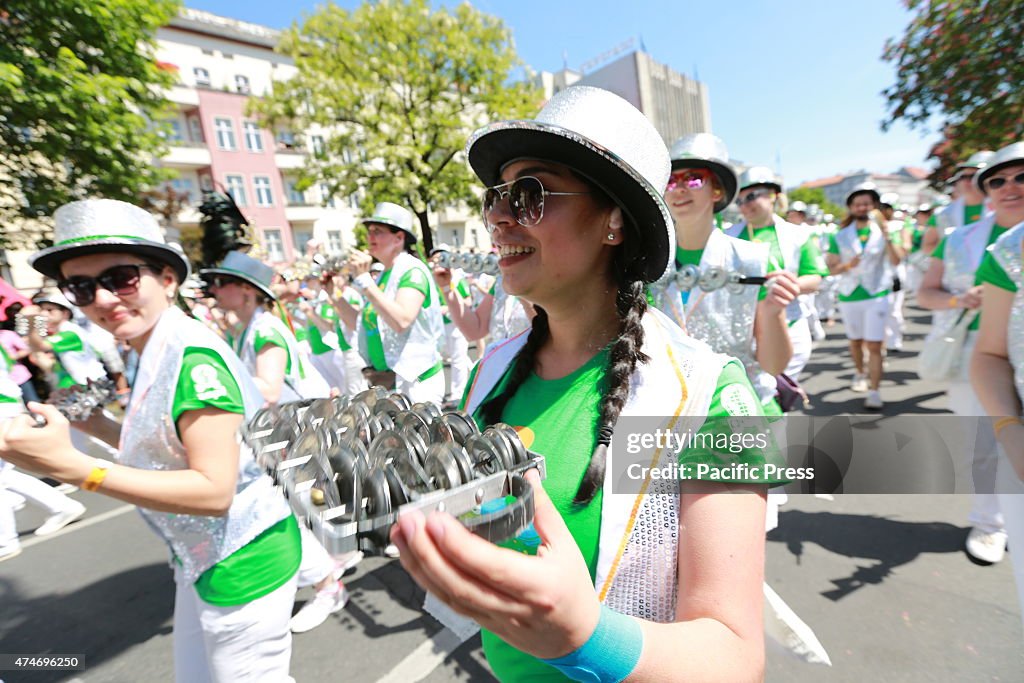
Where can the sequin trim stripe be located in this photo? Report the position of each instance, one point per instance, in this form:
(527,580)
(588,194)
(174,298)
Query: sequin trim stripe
(643,489)
(480,369)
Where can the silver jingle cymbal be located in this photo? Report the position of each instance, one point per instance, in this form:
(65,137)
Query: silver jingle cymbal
(441,466)
(687,276)
(490,266)
(713,278)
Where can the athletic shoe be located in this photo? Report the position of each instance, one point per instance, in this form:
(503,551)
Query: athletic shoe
(65,488)
(315,612)
(986,547)
(873,400)
(391,551)
(860,384)
(55,523)
(346,562)
(9,551)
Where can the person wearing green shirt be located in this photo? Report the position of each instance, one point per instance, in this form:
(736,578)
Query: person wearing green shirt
(952,288)
(968,203)
(863,255)
(233,539)
(581,230)
(790,249)
(894,324)
(456,346)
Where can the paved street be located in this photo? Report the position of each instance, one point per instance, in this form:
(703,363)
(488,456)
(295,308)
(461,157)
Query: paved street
(883,580)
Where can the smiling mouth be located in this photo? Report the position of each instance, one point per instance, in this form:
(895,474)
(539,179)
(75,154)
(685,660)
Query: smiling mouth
(513,250)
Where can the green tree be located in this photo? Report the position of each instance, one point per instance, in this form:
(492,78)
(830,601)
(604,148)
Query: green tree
(398,87)
(961,62)
(79,92)
(814,195)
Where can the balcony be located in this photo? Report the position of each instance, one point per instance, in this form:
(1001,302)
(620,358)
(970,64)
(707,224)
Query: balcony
(183,95)
(289,156)
(187,154)
(303,213)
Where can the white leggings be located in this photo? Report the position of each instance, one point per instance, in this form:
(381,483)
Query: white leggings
(244,643)
(456,352)
(1011,501)
(430,390)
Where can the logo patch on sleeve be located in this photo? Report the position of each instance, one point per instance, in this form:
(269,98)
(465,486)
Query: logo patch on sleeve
(207,383)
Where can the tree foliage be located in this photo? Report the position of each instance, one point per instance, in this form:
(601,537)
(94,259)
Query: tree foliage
(961,61)
(397,87)
(79,88)
(814,195)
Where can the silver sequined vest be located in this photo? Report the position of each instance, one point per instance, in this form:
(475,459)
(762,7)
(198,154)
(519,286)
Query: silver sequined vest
(508,318)
(874,272)
(965,247)
(1008,253)
(150,441)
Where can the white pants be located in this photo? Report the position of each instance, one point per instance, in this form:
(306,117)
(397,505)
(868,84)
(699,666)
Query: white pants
(430,390)
(980,445)
(330,365)
(894,324)
(456,352)
(250,642)
(354,379)
(800,337)
(8,525)
(1011,501)
(317,564)
(865,319)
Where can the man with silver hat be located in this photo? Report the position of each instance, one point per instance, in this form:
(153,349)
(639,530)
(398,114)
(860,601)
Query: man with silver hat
(790,249)
(400,329)
(864,257)
(574,204)
(997,367)
(456,346)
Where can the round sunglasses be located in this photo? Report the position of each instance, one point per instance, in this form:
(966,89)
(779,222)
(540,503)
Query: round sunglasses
(121,280)
(996,183)
(525,200)
(692,179)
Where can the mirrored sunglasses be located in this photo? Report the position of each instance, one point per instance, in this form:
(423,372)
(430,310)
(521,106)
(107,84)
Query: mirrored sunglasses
(691,179)
(526,197)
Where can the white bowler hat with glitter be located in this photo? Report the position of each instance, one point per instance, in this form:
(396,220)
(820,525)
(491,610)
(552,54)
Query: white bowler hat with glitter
(603,138)
(104,226)
(392,215)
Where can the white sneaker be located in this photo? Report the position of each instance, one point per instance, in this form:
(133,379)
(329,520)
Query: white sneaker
(873,400)
(392,551)
(346,562)
(9,551)
(986,547)
(55,523)
(315,612)
(860,384)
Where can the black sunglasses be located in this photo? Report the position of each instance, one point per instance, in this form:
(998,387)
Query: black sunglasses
(525,200)
(121,280)
(996,183)
(225,280)
(752,195)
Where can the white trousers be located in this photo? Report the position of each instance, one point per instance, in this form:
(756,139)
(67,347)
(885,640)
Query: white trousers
(981,449)
(354,379)
(894,324)
(430,390)
(330,365)
(250,642)
(1011,500)
(8,525)
(317,564)
(456,352)
(800,337)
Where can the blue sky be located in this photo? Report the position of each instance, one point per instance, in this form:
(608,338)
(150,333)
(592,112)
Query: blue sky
(796,80)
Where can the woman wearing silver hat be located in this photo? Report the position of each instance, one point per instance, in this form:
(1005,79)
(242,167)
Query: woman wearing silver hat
(233,539)
(997,368)
(731,320)
(791,249)
(400,329)
(968,205)
(952,288)
(864,255)
(620,584)
(269,350)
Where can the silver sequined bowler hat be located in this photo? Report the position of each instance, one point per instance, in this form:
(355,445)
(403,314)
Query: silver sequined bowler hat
(104,226)
(1007,156)
(603,138)
(704,150)
(759,175)
(392,215)
(244,267)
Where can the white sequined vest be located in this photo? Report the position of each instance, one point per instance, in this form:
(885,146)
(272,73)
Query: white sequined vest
(965,247)
(874,272)
(1009,253)
(791,239)
(149,440)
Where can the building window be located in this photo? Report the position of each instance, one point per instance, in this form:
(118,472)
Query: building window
(294,196)
(353,201)
(286,140)
(264,197)
(175,132)
(274,244)
(325,196)
(242,84)
(206,183)
(195,129)
(253,139)
(236,188)
(473,234)
(202,77)
(225,134)
(317,141)
(187,187)
(301,240)
(335,245)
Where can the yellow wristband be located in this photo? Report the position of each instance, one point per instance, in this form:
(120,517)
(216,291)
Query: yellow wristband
(953,302)
(1004,422)
(96,477)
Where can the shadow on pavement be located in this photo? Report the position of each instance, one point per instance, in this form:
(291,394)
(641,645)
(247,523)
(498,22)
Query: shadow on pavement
(889,543)
(100,621)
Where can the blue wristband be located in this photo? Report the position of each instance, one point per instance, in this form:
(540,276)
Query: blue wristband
(609,655)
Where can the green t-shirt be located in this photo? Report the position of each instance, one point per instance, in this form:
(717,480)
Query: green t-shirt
(266,563)
(463,291)
(811,260)
(6,363)
(65,341)
(414,278)
(861,294)
(687,257)
(268,334)
(356,302)
(991,272)
(972,212)
(558,418)
(940,253)
(316,339)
